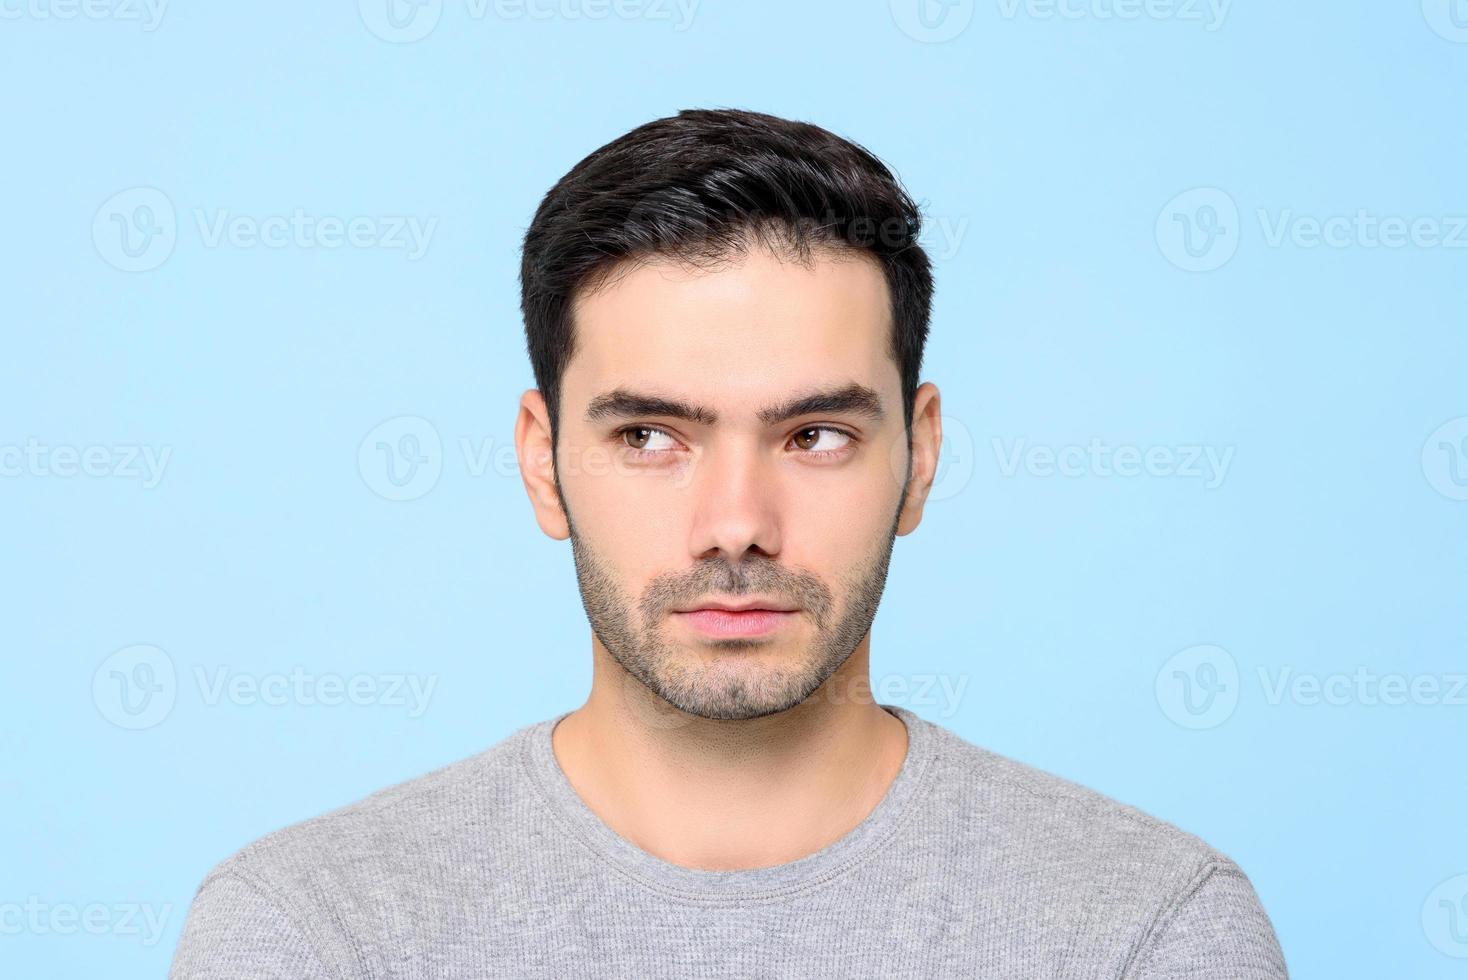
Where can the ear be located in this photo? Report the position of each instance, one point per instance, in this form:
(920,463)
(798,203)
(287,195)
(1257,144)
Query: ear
(537,464)
(927,440)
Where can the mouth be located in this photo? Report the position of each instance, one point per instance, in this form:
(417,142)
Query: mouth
(744,619)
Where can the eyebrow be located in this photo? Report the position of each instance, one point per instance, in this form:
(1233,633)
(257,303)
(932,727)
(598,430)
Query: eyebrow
(850,399)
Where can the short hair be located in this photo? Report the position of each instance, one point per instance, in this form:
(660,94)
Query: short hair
(701,186)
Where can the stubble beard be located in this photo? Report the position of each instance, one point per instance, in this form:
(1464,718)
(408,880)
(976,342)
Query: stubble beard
(738,683)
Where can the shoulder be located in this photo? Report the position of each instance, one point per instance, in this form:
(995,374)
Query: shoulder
(1003,798)
(380,843)
(405,815)
(1106,868)
(294,903)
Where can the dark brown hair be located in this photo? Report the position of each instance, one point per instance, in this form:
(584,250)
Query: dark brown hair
(700,186)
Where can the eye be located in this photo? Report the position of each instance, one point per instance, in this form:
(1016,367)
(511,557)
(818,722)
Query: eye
(643,439)
(807,439)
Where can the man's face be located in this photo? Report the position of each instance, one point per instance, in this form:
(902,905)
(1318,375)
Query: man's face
(691,474)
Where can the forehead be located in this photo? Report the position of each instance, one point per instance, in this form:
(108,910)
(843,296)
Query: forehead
(748,328)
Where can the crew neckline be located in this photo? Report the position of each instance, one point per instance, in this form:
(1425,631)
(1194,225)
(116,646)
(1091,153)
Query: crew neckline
(743,886)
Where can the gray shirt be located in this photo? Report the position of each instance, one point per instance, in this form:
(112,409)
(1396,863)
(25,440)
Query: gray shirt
(971,865)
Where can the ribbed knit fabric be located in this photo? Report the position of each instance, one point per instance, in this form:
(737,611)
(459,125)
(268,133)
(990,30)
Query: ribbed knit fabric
(971,865)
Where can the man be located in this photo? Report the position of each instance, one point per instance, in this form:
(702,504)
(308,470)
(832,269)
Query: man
(726,315)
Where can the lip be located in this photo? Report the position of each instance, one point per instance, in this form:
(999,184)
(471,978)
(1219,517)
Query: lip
(715,621)
(727,605)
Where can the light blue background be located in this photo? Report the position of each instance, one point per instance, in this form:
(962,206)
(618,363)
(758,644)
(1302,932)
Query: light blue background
(1054,144)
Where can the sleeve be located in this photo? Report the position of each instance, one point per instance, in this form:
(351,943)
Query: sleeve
(234,931)
(1218,932)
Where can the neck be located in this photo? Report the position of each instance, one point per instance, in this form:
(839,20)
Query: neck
(730,795)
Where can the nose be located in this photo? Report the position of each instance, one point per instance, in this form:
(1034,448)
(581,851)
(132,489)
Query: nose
(737,496)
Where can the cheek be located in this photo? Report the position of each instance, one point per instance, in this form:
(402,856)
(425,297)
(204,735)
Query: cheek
(840,524)
(625,500)
(638,523)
